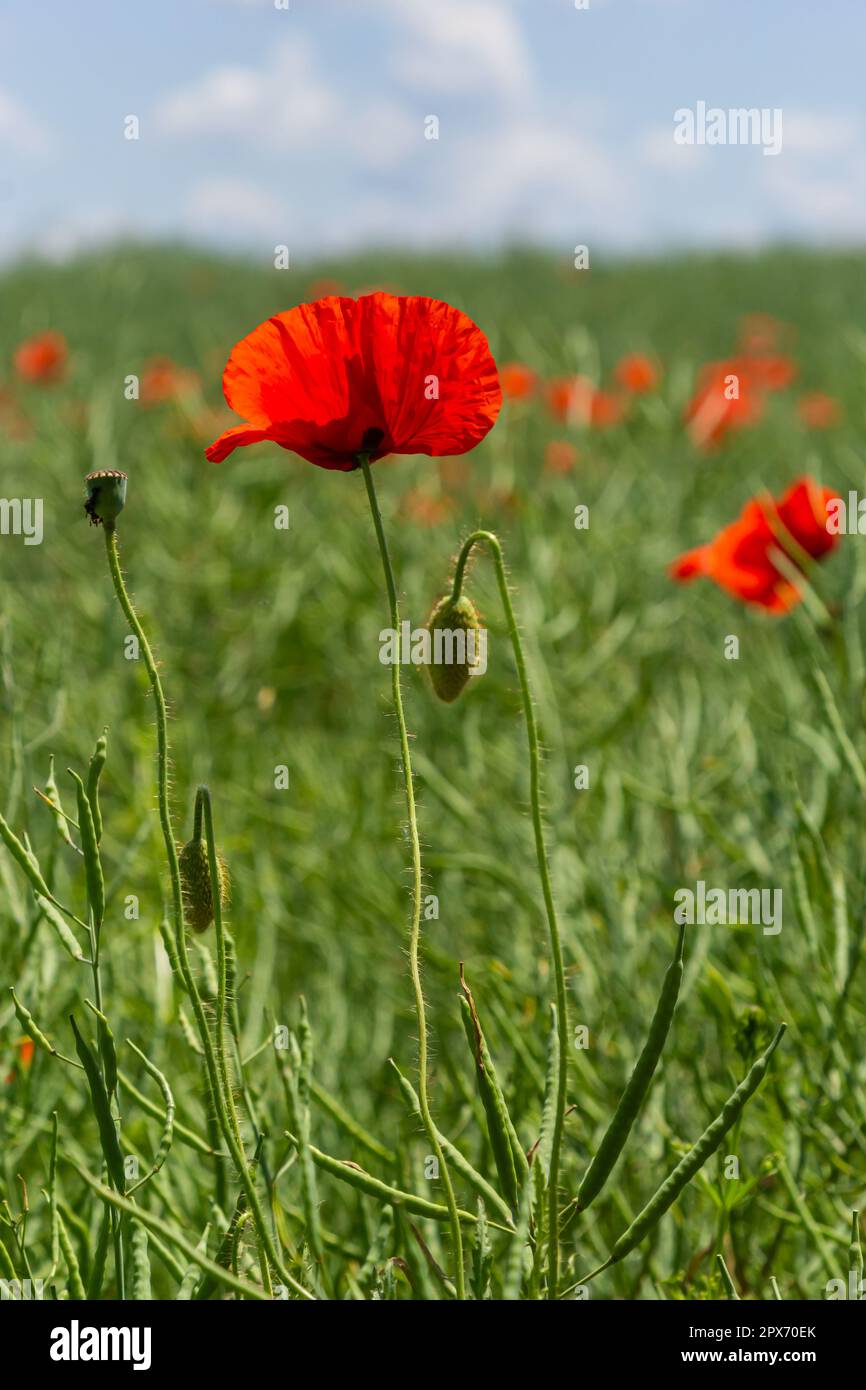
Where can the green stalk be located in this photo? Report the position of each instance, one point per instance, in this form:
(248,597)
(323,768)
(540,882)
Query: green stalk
(231,1136)
(492,542)
(415,929)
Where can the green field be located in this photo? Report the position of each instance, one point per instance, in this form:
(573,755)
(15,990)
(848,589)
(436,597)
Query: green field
(741,773)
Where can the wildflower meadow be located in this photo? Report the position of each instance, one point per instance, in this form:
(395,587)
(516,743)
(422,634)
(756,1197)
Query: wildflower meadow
(340,963)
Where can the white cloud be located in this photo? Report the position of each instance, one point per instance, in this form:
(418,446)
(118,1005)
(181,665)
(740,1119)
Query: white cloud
(81,231)
(237,206)
(455,45)
(817,133)
(19,131)
(658,150)
(283,104)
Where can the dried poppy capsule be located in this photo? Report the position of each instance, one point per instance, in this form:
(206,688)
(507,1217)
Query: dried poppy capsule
(195,882)
(106,495)
(456,638)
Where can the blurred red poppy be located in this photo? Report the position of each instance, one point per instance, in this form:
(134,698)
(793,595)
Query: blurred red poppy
(25,1048)
(574,400)
(518,382)
(162,380)
(378,375)
(739,559)
(13,423)
(761,333)
(560,456)
(637,373)
(424,508)
(819,411)
(42,358)
(729,395)
(772,371)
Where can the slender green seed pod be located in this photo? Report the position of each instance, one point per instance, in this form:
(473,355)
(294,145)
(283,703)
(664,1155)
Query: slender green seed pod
(635,1092)
(373,1187)
(51,1194)
(90,850)
(193,1274)
(331,1106)
(97,1272)
(697,1156)
(455,629)
(97,763)
(515,1266)
(454,1156)
(495,1110)
(140,1264)
(53,793)
(24,859)
(102,1109)
(855,1251)
(107,1049)
(76,1287)
(168,942)
(7,1268)
(196,885)
(60,927)
(182,1132)
(168,1121)
(777,1292)
(25,1018)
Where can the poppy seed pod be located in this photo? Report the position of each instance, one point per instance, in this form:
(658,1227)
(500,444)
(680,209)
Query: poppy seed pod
(454,653)
(106,495)
(195,882)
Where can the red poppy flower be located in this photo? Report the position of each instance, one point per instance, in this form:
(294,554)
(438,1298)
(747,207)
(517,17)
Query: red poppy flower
(739,559)
(378,375)
(729,395)
(819,411)
(518,382)
(42,358)
(576,401)
(637,373)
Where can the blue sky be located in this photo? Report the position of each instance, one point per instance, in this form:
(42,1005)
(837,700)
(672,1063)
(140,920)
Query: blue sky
(306,126)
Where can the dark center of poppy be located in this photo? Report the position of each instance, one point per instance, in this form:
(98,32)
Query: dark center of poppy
(372,439)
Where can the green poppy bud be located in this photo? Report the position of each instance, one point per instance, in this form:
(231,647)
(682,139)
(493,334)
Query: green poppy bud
(106,495)
(458,646)
(195,882)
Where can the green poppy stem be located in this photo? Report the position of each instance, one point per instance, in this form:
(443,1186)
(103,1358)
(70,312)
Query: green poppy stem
(415,929)
(492,542)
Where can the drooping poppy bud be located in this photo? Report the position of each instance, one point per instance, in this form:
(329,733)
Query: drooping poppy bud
(106,495)
(458,646)
(195,882)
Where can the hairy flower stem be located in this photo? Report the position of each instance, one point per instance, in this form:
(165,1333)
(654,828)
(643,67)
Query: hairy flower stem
(415,930)
(492,542)
(230,1131)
